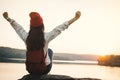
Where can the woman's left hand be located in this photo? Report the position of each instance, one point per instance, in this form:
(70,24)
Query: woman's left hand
(78,14)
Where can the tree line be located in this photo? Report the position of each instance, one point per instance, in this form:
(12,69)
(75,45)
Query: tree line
(109,60)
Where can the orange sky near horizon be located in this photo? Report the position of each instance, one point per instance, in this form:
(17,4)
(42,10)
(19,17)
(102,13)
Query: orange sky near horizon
(96,32)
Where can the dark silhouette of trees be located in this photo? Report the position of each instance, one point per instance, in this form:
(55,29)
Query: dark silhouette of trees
(109,60)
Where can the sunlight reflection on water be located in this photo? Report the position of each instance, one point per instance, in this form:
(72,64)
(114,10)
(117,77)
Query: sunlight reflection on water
(15,71)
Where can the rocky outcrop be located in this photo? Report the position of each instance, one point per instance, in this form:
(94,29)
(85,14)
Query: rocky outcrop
(53,77)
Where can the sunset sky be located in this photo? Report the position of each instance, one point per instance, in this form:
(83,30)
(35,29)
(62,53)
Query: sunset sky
(96,32)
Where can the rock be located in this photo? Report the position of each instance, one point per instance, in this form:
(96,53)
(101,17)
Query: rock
(53,77)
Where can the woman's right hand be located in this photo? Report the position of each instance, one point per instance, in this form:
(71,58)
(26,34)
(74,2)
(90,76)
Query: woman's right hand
(5,15)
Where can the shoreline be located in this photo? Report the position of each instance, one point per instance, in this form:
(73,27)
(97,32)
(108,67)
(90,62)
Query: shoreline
(83,62)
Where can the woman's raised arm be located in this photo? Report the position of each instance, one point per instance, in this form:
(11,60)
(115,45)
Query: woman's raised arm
(17,27)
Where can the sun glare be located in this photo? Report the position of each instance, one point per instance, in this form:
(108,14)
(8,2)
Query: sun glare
(103,53)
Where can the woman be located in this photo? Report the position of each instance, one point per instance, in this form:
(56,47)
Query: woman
(38,56)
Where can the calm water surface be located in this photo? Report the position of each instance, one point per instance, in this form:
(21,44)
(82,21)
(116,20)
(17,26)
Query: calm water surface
(14,71)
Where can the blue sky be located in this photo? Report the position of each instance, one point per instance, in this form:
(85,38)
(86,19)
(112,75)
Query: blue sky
(96,32)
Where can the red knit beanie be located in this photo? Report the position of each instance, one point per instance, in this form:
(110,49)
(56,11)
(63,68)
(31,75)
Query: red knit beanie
(36,20)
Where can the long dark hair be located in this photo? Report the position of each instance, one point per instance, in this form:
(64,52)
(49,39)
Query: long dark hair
(35,39)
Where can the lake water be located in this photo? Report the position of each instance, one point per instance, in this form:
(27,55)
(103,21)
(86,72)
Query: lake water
(14,71)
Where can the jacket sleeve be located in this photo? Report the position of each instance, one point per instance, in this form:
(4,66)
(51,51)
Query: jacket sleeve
(19,30)
(56,31)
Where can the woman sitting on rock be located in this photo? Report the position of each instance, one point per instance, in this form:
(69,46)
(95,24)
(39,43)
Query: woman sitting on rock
(38,56)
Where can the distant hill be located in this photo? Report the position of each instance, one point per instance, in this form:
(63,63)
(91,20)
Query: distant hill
(6,52)
(69,56)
